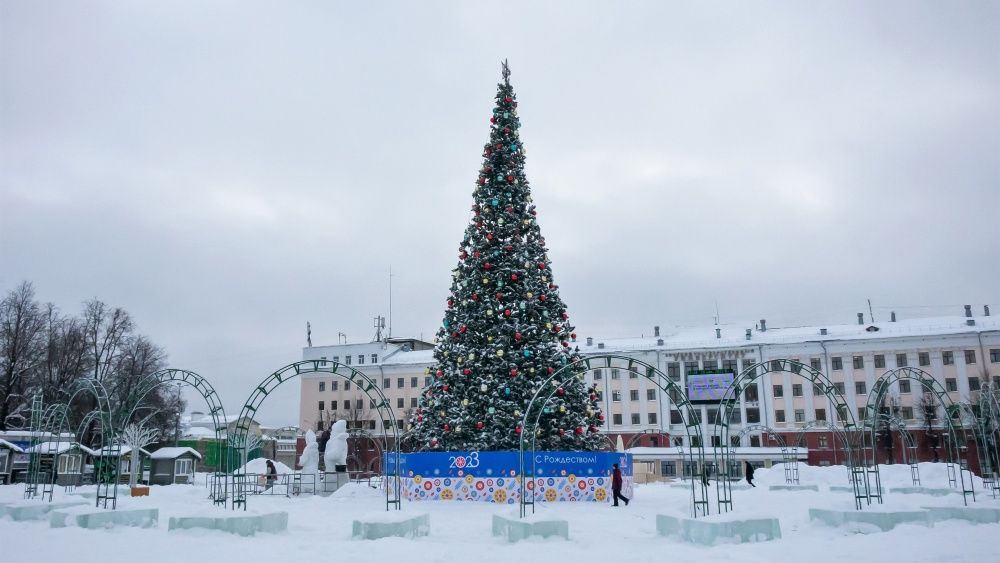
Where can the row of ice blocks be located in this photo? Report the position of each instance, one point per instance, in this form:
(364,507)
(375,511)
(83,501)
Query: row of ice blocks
(883,521)
(97,518)
(241,525)
(714,532)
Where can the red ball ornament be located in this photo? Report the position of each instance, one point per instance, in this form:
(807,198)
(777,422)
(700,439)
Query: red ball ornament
(541,297)
(477,254)
(420,419)
(498,146)
(450,302)
(506,312)
(513,277)
(565,344)
(561,391)
(508,248)
(454,335)
(506,130)
(593,428)
(552,285)
(541,265)
(434,441)
(466,371)
(462,329)
(489,236)
(499,296)
(593,397)
(493,119)
(579,430)
(479,425)
(446,428)
(556,328)
(510,177)
(562,432)
(518,430)
(550,370)
(513,372)
(508,99)
(600,417)
(517,336)
(439,373)
(475,296)
(482,181)
(488,266)
(445,387)
(573,336)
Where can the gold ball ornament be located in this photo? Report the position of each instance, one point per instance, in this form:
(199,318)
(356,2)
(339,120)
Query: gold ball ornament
(499,352)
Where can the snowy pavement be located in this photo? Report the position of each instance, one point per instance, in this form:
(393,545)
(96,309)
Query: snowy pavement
(320,528)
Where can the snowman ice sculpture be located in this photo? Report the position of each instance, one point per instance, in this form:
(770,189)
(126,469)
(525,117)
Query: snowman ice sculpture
(310,456)
(336,448)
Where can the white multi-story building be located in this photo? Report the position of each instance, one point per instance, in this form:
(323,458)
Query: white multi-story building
(959,352)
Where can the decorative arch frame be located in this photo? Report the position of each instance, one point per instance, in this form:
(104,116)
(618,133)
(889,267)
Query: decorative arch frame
(880,390)
(821,383)
(152,382)
(366,384)
(637,437)
(548,388)
(845,442)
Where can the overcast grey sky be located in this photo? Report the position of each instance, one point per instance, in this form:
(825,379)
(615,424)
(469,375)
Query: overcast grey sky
(227,171)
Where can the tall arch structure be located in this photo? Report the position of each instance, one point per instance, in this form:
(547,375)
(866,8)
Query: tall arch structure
(822,384)
(368,386)
(695,455)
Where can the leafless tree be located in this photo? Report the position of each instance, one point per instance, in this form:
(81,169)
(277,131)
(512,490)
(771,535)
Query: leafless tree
(107,330)
(21,347)
(136,436)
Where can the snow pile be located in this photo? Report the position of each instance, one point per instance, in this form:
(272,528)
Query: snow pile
(259,466)
(357,490)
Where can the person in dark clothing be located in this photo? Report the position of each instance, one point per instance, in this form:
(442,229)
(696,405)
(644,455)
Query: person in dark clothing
(748,469)
(708,473)
(616,485)
(272,474)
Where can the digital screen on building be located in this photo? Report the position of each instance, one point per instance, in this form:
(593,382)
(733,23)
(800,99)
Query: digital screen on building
(708,386)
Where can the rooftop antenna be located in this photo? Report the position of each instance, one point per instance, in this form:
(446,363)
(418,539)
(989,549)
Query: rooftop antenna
(379,325)
(871,315)
(390,300)
(309,334)
(341,335)
(718,318)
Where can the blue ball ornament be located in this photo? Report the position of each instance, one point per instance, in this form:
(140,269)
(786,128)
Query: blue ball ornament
(494,202)
(527,353)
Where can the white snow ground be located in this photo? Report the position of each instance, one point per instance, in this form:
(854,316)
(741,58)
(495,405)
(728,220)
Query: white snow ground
(320,529)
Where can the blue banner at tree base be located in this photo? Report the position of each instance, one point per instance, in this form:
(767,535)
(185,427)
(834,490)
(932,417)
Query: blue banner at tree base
(495,476)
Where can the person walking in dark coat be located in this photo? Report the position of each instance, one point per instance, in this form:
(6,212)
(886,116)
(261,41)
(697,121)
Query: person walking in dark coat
(272,474)
(616,485)
(748,469)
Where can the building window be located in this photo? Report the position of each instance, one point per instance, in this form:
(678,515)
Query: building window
(779,391)
(750,393)
(616,419)
(427,381)
(333,385)
(633,395)
(823,442)
(879,361)
(859,362)
(374,358)
(413,402)
(322,386)
(361,359)
(336,359)
(347,359)
(800,415)
(901,360)
(690,366)
(69,463)
(632,374)
(994,356)
(399,423)
(600,395)
(183,467)
(413,382)
(333,406)
(859,388)
(754,441)
(651,417)
(974,384)
(821,415)
(838,363)
(735,417)
(614,374)
(924,358)
(371,403)
(816,364)
(598,375)
(753,416)
(322,406)
(951,384)
(729,365)
(947,357)
(838,386)
(400,381)
(635,418)
(668,469)
(386,383)
(400,402)
(796,389)
(359,404)
(347,386)
(675,417)
(616,396)
(907,413)
(861,413)
(904,386)
(970,356)
(650,394)
(674,371)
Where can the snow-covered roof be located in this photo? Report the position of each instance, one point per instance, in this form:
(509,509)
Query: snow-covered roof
(47,448)
(174,453)
(126,450)
(410,358)
(734,335)
(199,432)
(6,444)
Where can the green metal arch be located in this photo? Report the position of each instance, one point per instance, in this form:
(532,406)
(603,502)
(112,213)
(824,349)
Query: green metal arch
(157,379)
(730,401)
(367,385)
(878,394)
(533,412)
(637,437)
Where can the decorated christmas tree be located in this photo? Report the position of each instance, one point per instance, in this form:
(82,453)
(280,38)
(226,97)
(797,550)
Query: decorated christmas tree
(505,330)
